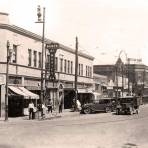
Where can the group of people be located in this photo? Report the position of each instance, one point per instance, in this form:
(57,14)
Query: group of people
(43,108)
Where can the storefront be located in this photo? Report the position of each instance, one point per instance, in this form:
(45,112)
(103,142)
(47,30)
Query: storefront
(18,101)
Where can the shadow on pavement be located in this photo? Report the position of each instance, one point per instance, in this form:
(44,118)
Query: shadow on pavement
(130,145)
(9,146)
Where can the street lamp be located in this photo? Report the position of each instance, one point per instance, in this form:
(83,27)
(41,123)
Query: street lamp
(76,73)
(9,54)
(42,20)
(121,67)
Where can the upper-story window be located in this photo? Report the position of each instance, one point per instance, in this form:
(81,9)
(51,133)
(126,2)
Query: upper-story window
(86,71)
(71,67)
(65,65)
(39,60)
(56,64)
(91,72)
(48,62)
(68,68)
(61,65)
(35,58)
(29,57)
(81,69)
(14,55)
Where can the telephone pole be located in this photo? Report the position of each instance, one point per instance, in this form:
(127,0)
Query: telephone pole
(76,73)
(42,20)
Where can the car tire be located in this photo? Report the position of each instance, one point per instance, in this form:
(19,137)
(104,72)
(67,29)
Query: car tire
(107,110)
(87,111)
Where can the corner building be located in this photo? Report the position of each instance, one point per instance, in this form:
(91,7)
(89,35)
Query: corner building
(25,64)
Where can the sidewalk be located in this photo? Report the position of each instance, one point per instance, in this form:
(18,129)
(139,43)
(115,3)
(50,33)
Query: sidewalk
(48,116)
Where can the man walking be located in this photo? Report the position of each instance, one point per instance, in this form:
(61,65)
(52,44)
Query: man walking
(31,110)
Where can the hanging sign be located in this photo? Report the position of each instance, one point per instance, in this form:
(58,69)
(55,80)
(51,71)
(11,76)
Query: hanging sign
(52,48)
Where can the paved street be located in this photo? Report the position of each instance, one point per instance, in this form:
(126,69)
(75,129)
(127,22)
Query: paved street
(72,130)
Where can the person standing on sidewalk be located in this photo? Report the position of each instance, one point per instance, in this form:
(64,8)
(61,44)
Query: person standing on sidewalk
(49,106)
(60,102)
(31,110)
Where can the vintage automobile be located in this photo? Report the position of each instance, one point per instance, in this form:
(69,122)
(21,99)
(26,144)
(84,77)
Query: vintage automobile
(103,104)
(128,105)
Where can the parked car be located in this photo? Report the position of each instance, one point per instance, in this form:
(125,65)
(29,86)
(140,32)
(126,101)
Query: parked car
(103,104)
(128,105)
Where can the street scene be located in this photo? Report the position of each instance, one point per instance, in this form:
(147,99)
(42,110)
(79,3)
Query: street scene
(101,130)
(74,74)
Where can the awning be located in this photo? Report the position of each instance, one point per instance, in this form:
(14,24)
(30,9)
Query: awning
(29,93)
(23,92)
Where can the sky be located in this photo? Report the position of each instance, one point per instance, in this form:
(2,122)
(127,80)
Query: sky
(104,27)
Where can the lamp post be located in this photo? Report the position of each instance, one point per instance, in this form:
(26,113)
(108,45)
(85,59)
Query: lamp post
(9,53)
(76,73)
(42,20)
(122,68)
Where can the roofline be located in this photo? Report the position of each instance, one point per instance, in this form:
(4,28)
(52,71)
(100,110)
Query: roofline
(3,13)
(32,35)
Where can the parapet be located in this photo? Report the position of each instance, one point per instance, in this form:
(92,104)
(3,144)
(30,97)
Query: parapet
(4,18)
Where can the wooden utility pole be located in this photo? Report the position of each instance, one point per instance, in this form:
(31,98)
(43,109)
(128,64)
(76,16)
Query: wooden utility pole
(76,73)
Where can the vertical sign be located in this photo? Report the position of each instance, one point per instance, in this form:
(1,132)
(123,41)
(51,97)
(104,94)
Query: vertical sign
(52,48)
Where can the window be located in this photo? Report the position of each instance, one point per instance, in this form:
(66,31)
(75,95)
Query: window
(71,67)
(68,66)
(48,62)
(86,71)
(14,55)
(90,71)
(61,65)
(39,62)
(81,69)
(65,65)
(29,57)
(35,58)
(56,64)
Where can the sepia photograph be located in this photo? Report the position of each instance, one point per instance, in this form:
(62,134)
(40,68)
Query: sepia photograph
(73,73)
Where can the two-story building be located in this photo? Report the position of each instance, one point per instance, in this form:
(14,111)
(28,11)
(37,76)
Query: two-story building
(25,65)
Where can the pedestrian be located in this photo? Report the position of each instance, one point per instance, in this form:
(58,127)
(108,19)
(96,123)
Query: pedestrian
(49,106)
(60,103)
(43,111)
(78,105)
(60,106)
(31,110)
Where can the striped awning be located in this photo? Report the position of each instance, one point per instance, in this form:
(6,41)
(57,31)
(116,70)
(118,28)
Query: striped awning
(23,92)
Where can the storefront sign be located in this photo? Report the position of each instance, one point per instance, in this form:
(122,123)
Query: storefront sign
(52,48)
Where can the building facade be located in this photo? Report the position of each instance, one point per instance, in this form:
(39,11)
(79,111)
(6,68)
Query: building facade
(25,64)
(135,77)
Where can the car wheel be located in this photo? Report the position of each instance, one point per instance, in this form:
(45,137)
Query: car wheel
(87,111)
(107,110)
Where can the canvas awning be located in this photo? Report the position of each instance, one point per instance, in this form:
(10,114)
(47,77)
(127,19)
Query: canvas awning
(29,93)
(23,92)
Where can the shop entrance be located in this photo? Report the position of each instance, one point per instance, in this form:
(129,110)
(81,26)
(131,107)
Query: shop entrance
(68,98)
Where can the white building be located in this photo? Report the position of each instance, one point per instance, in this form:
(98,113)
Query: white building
(25,65)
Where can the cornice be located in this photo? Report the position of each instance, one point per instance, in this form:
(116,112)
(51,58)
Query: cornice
(34,36)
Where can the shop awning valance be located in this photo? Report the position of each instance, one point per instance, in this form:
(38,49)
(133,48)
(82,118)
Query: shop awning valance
(29,93)
(23,92)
